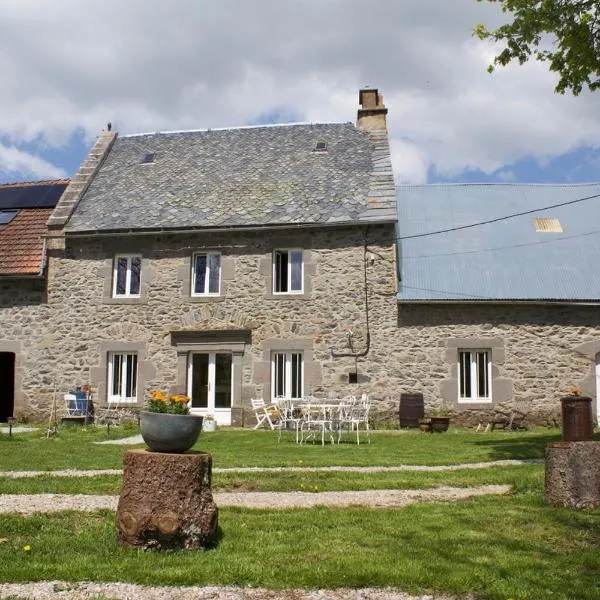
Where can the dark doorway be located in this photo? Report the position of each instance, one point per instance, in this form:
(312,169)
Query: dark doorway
(7,385)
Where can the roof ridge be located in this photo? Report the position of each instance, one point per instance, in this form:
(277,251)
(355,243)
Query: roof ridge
(233,128)
(63,181)
(496,184)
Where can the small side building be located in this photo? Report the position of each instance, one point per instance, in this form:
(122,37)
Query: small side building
(26,359)
(499,295)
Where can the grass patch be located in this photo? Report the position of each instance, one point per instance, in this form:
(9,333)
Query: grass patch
(524,479)
(497,548)
(73,449)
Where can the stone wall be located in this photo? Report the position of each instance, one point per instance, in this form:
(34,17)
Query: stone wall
(87,323)
(541,351)
(23,331)
(538,352)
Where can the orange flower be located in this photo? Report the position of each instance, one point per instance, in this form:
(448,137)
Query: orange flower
(158,395)
(179,399)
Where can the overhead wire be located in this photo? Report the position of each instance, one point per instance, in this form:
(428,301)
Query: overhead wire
(487,222)
(559,239)
(497,219)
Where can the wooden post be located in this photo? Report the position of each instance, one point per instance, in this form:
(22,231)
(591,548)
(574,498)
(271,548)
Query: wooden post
(166,502)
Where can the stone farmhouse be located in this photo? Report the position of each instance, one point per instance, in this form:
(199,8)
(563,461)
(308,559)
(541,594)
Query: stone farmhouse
(227,264)
(278,260)
(24,212)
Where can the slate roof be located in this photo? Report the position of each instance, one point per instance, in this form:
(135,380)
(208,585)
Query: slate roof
(21,244)
(504,260)
(244,177)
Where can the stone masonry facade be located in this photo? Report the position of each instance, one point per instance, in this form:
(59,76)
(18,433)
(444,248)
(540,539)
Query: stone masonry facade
(61,336)
(166,322)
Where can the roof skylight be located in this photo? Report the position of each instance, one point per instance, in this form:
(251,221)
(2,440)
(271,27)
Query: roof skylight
(544,225)
(148,158)
(320,147)
(6,216)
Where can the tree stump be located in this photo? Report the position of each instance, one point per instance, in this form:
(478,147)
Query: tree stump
(166,502)
(573,474)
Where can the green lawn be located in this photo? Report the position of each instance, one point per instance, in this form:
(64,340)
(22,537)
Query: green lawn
(500,547)
(73,449)
(507,547)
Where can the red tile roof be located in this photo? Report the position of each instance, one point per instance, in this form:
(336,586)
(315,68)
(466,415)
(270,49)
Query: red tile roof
(21,240)
(21,243)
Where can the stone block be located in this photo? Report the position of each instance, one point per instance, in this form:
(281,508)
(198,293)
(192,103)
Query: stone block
(166,502)
(573,474)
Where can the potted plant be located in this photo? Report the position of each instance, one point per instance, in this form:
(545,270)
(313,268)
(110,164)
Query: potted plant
(166,424)
(209,423)
(440,418)
(425,424)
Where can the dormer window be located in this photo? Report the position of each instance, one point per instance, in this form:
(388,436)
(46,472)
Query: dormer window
(148,158)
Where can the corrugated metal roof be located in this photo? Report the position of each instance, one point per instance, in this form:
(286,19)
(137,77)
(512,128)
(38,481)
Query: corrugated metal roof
(502,260)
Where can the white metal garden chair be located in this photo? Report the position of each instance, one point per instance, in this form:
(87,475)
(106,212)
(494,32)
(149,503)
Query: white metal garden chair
(288,416)
(269,414)
(355,415)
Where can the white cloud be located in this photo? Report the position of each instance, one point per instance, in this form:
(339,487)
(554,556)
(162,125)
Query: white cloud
(148,65)
(13,160)
(410,162)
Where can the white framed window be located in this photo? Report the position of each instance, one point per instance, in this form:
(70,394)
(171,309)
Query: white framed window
(127,276)
(206,274)
(287,374)
(288,271)
(474,376)
(122,377)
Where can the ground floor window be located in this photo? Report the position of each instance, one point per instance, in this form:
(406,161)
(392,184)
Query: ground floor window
(122,377)
(474,375)
(287,374)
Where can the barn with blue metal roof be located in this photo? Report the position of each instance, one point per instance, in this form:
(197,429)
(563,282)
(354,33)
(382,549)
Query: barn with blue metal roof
(491,242)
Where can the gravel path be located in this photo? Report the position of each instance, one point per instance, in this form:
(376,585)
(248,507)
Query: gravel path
(125,591)
(32,503)
(133,439)
(17,429)
(393,469)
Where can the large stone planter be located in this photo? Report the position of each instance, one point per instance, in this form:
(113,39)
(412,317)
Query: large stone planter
(164,432)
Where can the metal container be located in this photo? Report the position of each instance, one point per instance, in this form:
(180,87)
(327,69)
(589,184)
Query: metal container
(412,409)
(577,423)
(165,432)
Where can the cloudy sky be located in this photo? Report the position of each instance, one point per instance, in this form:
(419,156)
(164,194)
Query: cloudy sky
(69,66)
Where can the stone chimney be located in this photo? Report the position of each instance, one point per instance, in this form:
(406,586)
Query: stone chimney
(371,115)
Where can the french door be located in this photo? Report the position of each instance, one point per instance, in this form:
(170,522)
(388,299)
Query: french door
(210,385)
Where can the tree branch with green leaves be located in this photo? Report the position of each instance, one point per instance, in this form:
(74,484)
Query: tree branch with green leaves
(564,33)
